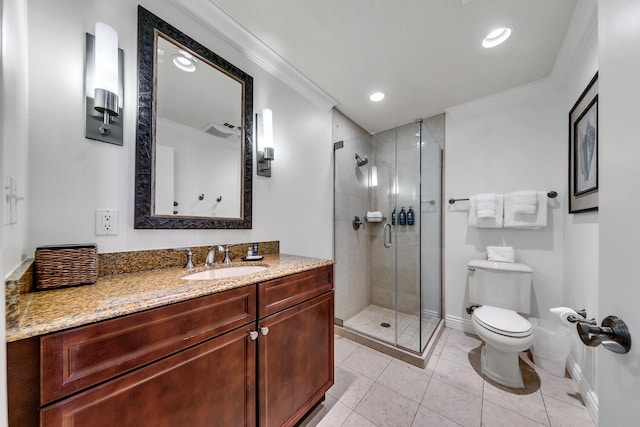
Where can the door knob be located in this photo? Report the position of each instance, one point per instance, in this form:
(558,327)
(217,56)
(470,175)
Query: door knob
(264,330)
(613,335)
(253,335)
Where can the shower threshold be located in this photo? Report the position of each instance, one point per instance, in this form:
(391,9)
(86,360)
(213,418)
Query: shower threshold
(369,327)
(417,359)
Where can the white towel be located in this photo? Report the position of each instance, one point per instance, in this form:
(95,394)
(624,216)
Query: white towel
(486,205)
(526,221)
(374,216)
(495,222)
(501,253)
(525,202)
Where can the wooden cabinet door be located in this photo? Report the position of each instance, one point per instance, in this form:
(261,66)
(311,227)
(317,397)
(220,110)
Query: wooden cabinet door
(295,361)
(210,384)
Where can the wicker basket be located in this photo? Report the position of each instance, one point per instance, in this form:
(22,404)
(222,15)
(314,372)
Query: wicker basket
(65,265)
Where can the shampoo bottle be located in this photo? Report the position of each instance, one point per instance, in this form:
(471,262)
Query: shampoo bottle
(402,217)
(410,219)
(393,217)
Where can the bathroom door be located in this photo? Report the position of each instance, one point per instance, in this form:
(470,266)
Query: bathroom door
(618,375)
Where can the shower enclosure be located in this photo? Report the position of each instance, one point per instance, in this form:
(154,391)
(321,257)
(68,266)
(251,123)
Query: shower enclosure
(388,263)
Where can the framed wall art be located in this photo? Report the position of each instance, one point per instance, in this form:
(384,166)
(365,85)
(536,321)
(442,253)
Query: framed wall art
(583,151)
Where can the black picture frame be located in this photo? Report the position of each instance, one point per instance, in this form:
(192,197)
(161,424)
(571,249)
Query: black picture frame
(144,217)
(583,151)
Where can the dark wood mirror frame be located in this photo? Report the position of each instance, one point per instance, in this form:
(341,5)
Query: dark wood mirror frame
(144,216)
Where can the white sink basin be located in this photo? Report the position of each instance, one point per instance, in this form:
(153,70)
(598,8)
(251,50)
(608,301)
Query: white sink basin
(223,273)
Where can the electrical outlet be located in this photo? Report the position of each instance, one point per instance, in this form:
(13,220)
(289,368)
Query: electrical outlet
(106,222)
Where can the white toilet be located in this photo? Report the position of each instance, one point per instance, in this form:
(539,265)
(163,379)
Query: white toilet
(502,289)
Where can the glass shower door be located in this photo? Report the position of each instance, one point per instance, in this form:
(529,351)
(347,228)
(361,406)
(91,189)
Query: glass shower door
(383,238)
(404,194)
(380,275)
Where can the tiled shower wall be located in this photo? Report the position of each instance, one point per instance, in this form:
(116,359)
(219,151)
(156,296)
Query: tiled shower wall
(399,146)
(352,250)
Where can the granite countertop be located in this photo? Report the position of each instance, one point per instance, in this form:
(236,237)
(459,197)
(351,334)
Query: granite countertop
(120,294)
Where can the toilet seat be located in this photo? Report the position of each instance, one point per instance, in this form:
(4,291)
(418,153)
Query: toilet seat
(502,321)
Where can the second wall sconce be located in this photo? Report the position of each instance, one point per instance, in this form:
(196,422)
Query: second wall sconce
(264,142)
(104,87)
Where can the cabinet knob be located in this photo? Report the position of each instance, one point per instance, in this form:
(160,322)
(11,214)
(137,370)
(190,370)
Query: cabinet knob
(253,335)
(264,330)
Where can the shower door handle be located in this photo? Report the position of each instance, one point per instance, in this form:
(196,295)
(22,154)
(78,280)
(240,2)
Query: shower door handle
(387,232)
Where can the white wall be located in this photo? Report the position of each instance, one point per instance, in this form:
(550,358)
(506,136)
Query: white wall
(13,153)
(71,176)
(14,126)
(581,231)
(514,144)
(518,140)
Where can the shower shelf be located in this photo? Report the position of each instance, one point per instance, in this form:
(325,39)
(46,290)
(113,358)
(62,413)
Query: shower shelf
(383,219)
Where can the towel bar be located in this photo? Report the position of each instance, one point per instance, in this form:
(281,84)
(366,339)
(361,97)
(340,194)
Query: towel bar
(551,194)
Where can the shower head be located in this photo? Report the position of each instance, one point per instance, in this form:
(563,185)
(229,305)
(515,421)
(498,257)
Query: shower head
(361,161)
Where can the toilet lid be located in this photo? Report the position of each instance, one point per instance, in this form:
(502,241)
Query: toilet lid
(502,321)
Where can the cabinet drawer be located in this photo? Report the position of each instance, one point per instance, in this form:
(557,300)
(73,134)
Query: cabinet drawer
(81,357)
(279,294)
(210,384)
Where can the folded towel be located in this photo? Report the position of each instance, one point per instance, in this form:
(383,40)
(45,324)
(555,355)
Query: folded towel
(501,254)
(374,216)
(525,202)
(486,205)
(495,222)
(522,220)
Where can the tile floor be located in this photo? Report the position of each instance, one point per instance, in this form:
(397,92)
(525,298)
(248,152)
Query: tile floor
(369,321)
(372,389)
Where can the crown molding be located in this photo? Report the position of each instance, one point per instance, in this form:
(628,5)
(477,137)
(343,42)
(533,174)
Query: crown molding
(224,26)
(584,23)
(501,99)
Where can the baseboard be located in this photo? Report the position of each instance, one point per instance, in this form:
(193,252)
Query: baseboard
(458,323)
(589,396)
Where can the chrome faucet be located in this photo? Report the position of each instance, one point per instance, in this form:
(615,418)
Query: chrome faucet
(211,255)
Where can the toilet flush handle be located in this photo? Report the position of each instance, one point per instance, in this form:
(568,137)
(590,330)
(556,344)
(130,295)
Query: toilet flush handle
(471,309)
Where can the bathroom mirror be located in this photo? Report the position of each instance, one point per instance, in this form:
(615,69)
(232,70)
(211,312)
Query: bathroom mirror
(194,133)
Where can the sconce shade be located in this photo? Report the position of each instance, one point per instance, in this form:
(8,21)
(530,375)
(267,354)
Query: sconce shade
(267,117)
(106,58)
(104,88)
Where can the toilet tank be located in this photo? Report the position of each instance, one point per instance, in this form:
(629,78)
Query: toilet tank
(500,284)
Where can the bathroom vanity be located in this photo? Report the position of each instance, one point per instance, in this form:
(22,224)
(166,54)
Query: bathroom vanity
(256,354)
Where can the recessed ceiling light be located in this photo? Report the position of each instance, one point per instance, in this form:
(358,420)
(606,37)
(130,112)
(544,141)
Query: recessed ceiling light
(496,37)
(377,96)
(185,61)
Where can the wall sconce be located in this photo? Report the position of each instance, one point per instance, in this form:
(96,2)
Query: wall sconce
(104,87)
(264,142)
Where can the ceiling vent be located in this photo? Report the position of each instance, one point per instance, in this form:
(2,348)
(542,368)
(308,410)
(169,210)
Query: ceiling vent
(221,131)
